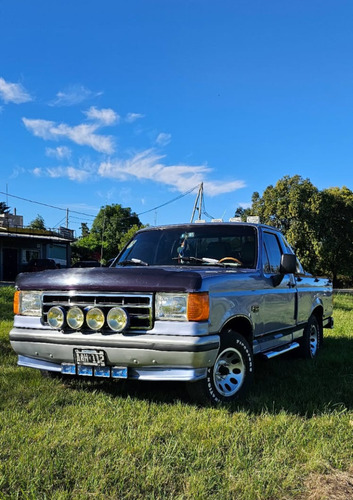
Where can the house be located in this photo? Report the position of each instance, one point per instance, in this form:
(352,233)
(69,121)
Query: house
(19,245)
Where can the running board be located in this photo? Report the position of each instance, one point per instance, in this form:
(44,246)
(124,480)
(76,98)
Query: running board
(287,348)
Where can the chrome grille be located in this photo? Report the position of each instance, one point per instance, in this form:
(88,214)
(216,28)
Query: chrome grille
(138,306)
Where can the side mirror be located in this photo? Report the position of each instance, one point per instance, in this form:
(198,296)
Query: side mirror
(288,263)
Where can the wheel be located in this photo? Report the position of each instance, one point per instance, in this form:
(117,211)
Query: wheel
(230,376)
(311,341)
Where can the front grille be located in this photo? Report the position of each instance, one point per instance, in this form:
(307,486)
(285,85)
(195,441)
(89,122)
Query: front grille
(138,306)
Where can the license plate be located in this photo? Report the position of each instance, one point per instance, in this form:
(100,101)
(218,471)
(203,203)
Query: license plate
(89,357)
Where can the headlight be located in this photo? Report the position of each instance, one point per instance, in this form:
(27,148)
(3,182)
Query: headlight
(75,318)
(117,319)
(182,306)
(28,303)
(56,317)
(95,318)
(171,306)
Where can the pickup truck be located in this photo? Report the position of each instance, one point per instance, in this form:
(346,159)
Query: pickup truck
(192,302)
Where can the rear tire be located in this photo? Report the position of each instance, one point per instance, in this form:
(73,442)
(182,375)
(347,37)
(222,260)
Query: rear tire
(231,375)
(312,339)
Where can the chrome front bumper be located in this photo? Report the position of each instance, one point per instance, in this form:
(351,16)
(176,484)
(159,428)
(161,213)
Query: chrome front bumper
(146,356)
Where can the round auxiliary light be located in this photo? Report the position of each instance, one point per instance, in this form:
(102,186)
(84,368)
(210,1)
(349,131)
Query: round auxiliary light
(56,317)
(75,318)
(117,319)
(95,318)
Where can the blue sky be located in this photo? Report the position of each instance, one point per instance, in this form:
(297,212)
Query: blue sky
(138,102)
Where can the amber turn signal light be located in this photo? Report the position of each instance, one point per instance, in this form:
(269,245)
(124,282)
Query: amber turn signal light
(16,303)
(198,308)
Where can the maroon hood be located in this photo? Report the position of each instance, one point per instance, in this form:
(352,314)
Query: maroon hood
(137,279)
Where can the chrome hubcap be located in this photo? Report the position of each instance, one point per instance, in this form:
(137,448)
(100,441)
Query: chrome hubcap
(229,372)
(313,340)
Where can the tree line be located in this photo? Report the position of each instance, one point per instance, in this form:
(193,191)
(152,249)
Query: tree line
(317,224)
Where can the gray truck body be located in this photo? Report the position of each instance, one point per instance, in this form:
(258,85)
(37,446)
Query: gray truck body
(268,306)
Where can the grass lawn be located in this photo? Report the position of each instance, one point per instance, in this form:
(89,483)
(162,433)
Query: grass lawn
(292,437)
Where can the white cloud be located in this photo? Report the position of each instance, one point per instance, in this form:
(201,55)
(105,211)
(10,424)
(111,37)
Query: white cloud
(85,170)
(38,172)
(73,95)
(18,171)
(147,165)
(74,174)
(13,92)
(83,135)
(108,195)
(104,116)
(132,117)
(215,188)
(163,139)
(60,152)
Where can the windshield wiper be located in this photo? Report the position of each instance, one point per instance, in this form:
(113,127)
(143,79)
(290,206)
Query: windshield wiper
(132,262)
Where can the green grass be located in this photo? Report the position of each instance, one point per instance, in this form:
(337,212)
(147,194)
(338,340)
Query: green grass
(141,440)
(6,299)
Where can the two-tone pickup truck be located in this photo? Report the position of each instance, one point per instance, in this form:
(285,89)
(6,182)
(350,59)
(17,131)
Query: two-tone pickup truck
(192,302)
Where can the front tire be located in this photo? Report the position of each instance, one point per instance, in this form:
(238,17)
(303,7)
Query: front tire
(231,375)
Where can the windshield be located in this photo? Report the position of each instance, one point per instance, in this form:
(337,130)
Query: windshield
(192,245)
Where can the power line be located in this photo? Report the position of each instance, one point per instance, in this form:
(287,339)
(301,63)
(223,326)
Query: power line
(46,205)
(93,216)
(168,202)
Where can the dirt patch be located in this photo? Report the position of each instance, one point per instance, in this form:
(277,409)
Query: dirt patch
(335,485)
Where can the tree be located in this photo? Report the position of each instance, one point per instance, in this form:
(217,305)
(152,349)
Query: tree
(84,229)
(37,223)
(4,209)
(335,232)
(318,224)
(243,213)
(110,230)
(109,227)
(292,205)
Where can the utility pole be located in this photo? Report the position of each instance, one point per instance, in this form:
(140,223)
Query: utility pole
(198,203)
(67,218)
(102,248)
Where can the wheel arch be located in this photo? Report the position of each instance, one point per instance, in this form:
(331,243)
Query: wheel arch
(318,312)
(242,325)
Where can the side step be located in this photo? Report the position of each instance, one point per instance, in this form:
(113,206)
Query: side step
(287,348)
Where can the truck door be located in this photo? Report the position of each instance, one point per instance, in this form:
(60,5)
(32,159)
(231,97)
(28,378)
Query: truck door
(278,307)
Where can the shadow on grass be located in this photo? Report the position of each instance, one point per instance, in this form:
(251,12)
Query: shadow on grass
(288,384)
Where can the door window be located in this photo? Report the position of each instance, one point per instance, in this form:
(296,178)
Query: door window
(272,254)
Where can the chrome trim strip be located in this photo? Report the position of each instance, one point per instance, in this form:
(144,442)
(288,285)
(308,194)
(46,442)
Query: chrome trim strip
(147,373)
(39,364)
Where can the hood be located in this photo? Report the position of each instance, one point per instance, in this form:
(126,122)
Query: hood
(127,279)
